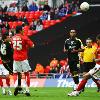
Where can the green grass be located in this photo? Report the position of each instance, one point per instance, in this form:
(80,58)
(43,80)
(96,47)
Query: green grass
(53,94)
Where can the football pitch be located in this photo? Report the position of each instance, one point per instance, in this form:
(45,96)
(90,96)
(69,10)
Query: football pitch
(53,94)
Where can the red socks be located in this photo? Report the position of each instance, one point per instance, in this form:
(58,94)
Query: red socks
(1,83)
(15,77)
(27,78)
(97,82)
(81,85)
(8,81)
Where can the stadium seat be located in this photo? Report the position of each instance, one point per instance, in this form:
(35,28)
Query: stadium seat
(22,13)
(32,12)
(52,22)
(14,24)
(31,15)
(63,18)
(10,24)
(58,21)
(19,22)
(36,16)
(27,15)
(34,32)
(46,22)
(30,19)
(27,12)
(17,14)
(45,26)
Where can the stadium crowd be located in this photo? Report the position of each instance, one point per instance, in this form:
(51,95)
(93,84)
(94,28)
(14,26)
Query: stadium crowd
(32,17)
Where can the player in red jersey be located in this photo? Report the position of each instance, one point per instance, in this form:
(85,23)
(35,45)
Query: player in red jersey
(94,73)
(21,44)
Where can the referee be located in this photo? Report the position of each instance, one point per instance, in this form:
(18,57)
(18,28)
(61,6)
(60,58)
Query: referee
(72,47)
(88,56)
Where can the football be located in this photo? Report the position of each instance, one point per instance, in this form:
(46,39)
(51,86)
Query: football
(84,6)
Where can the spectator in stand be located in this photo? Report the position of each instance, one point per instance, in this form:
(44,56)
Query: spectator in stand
(5,8)
(54,65)
(56,16)
(33,24)
(75,4)
(12,8)
(12,18)
(53,70)
(33,7)
(6,25)
(41,7)
(1,10)
(44,16)
(25,21)
(70,9)
(39,26)
(25,8)
(39,69)
(63,11)
(46,7)
(52,13)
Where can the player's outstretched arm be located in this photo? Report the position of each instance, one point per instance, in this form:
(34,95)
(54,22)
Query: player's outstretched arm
(97,60)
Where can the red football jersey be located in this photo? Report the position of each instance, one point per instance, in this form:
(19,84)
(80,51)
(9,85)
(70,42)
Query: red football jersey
(98,54)
(21,44)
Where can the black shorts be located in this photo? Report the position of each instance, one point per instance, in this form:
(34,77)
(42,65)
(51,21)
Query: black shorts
(73,66)
(9,66)
(87,66)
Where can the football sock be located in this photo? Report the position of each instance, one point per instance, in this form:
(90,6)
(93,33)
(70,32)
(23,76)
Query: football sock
(1,83)
(8,81)
(81,85)
(27,78)
(97,82)
(15,77)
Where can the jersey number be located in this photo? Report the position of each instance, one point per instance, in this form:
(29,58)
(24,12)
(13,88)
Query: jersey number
(17,45)
(3,49)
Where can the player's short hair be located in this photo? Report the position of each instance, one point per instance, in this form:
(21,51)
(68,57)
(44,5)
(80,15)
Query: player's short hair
(18,29)
(98,36)
(73,30)
(88,39)
(4,36)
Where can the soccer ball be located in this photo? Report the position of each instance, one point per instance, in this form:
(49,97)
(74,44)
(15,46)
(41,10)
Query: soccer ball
(84,6)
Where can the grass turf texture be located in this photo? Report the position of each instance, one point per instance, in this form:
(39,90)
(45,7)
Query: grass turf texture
(53,94)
